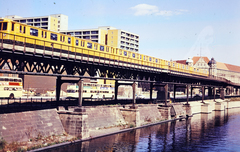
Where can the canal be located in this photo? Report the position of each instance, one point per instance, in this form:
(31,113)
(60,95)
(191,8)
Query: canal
(217,131)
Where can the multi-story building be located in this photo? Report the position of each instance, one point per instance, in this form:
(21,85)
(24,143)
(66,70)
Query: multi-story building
(109,36)
(55,22)
(216,69)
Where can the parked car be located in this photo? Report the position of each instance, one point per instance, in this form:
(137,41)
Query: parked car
(140,96)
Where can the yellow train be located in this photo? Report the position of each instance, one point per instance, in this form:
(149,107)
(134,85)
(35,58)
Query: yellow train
(28,39)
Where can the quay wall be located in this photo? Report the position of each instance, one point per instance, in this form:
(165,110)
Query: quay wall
(23,126)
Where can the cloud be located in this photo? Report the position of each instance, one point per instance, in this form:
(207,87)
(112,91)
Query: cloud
(145,9)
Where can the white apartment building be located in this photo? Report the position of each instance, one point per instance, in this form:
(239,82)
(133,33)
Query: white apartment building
(55,22)
(109,36)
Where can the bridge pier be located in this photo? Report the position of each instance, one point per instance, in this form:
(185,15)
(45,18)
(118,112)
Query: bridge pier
(203,93)
(187,93)
(58,89)
(80,92)
(166,93)
(116,90)
(151,89)
(174,92)
(134,96)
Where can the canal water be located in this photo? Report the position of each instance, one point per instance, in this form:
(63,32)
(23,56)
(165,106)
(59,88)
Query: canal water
(218,131)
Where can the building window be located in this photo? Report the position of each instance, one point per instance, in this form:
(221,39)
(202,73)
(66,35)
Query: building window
(94,32)
(44,24)
(37,20)
(22,21)
(78,33)
(30,20)
(36,24)
(86,32)
(44,19)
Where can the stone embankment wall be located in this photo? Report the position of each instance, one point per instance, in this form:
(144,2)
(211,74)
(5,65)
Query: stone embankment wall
(23,126)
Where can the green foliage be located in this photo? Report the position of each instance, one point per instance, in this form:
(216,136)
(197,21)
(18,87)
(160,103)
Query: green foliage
(131,125)
(2,143)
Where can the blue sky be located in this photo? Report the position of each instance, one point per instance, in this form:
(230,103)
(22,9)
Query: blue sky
(171,30)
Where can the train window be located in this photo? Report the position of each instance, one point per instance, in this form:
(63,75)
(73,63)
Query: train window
(133,55)
(150,59)
(77,42)
(53,36)
(140,56)
(120,52)
(0,26)
(173,64)
(186,67)
(194,69)
(13,26)
(183,66)
(42,34)
(69,40)
(33,32)
(156,60)
(101,48)
(125,53)
(20,29)
(4,26)
(82,43)
(168,63)
(89,45)
(143,57)
(95,46)
(24,29)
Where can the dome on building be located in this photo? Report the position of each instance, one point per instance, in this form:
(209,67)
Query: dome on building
(189,60)
(212,61)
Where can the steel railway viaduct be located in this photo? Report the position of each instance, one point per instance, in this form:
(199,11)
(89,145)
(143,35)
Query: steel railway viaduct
(27,62)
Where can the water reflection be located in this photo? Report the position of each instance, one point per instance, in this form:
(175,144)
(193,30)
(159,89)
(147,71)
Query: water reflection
(217,131)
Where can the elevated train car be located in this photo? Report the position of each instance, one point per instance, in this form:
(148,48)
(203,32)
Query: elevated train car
(33,40)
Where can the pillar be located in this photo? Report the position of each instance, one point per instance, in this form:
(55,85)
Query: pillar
(116,90)
(191,91)
(58,89)
(134,95)
(80,92)
(222,93)
(214,94)
(151,89)
(187,93)
(174,92)
(210,91)
(203,93)
(166,93)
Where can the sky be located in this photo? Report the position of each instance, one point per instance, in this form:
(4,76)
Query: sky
(170,30)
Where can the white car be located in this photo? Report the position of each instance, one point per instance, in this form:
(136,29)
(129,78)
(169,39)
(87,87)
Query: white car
(140,96)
